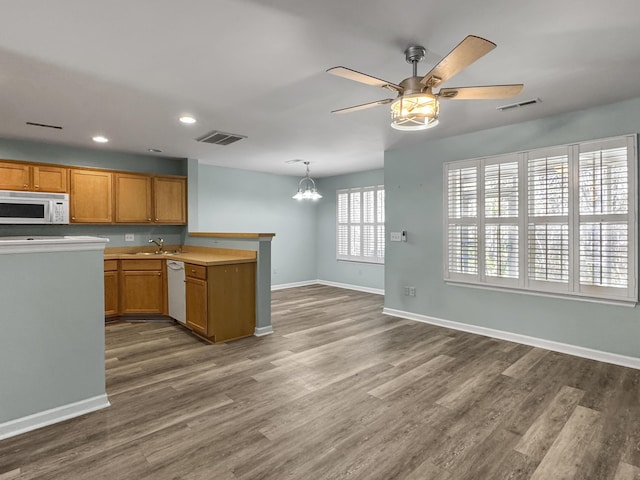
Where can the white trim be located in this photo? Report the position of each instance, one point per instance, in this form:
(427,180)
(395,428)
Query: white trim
(262,331)
(46,244)
(542,293)
(54,415)
(306,283)
(575,350)
(283,286)
(376,291)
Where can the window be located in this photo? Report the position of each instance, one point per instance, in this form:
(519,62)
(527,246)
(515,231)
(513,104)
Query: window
(360,224)
(560,220)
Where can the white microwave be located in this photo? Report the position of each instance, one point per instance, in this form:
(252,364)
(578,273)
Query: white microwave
(36,208)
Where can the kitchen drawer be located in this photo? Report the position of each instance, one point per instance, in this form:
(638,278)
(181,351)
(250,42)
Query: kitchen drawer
(195,271)
(141,264)
(110,265)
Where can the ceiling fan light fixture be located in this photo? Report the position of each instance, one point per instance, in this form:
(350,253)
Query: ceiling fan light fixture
(415,111)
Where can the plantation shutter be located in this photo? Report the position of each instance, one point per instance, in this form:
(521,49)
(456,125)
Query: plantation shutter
(501,236)
(360,224)
(604,217)
(558,220)
(343,224)
(548,219)
(462,222)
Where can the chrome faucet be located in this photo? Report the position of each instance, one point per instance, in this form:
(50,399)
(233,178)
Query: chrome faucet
(159,243)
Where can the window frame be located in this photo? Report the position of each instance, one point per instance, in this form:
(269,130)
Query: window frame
(574,287)
(376,225)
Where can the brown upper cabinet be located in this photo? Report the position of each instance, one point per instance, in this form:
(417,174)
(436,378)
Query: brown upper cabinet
(35,178)
(103,196)
(133,198)
(170,200)
(91,196)
(150,199)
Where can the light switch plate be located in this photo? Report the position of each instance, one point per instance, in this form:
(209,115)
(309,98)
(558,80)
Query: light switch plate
(396,236)
(129,237)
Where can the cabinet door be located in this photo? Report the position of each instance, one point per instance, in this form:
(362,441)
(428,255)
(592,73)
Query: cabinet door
(133,198)
(50,179)
(91,196)
(110,293)
(170,199)
(141,292)
(232,301)
(110,287)
(196,300)
(14,176)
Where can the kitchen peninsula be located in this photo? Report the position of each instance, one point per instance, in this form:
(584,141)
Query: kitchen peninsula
(222,287)
(52,342)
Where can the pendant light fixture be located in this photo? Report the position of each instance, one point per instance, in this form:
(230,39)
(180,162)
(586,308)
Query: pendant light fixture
(307,188)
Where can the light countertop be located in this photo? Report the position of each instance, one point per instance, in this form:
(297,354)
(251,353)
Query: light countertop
(189,254)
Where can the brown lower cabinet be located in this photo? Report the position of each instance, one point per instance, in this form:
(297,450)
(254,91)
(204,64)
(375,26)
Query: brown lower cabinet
(110,288)
(220,300)
(142,286)
(134,287)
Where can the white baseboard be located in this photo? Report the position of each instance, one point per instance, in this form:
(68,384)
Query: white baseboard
(377,291)
(306,283)
(262,331)
(599,355)
(54,415)
(282,286)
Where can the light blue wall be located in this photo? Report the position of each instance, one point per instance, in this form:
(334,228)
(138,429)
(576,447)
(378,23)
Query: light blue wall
(85,157)
(241,201)
(414,201)
(88,157)
(329,269)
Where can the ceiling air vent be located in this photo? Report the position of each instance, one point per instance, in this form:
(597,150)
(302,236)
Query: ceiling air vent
(521,104)
(220,138)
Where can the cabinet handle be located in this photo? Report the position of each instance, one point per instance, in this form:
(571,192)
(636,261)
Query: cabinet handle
(37,187)
(148,219)
(25,187)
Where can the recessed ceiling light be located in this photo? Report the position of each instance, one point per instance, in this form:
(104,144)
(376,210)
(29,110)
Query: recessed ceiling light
(100,139)
(154,150)
(187,119)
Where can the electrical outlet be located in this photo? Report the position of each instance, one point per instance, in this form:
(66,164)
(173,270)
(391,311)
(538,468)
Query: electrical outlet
(396,236)
(129,237)
(412,291)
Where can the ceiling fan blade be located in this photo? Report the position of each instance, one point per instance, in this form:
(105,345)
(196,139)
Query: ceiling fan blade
(363,78)
(468,51)
(363,106)
(488,92)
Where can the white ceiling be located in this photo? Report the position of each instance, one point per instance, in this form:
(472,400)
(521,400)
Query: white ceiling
(128,69)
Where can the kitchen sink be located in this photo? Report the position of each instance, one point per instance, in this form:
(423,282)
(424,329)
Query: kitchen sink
(156,253)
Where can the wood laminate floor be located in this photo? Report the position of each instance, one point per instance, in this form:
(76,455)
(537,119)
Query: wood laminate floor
(340,391)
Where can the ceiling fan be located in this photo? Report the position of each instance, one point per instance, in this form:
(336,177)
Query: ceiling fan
(416,107)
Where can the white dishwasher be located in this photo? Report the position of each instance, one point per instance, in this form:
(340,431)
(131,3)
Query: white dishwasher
(175,287)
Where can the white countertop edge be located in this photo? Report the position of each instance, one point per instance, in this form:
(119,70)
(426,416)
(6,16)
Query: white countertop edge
(43,244)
